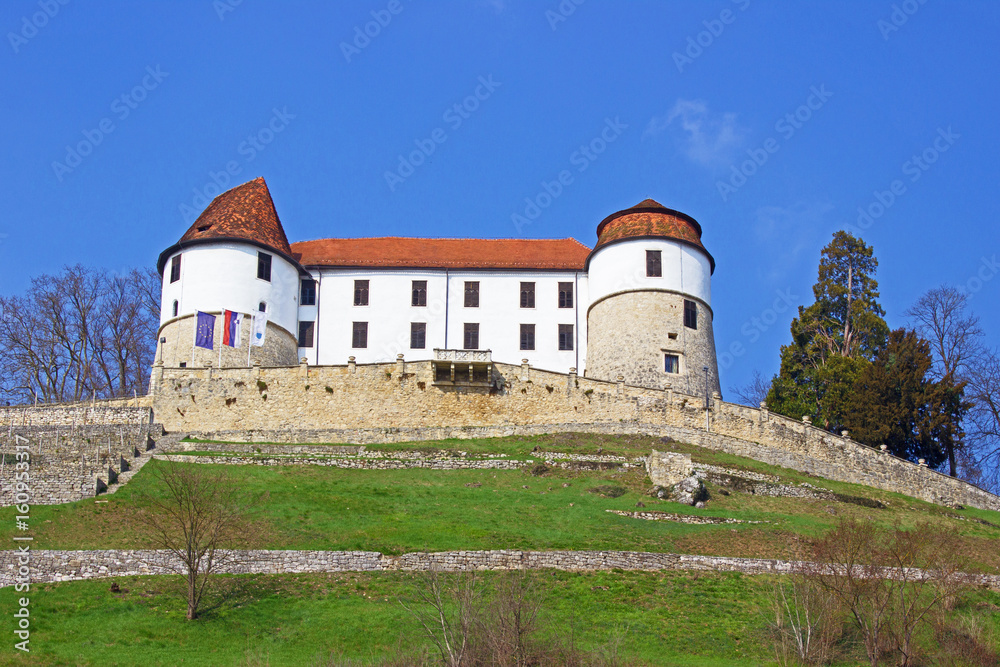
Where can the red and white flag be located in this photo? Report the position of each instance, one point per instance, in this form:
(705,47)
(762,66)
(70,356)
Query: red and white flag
(232,325)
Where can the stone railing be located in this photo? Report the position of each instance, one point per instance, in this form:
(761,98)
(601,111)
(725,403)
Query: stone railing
(484,356)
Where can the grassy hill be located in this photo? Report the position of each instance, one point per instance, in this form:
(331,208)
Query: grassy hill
(675,618)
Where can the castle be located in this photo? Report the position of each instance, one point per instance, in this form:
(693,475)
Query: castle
(636,306)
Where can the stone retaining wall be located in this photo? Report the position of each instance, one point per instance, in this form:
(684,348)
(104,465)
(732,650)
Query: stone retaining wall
(375,403)
(51,566)
(69,463)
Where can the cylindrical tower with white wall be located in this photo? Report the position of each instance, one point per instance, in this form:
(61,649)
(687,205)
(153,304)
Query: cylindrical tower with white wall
(234,257)
(650,313)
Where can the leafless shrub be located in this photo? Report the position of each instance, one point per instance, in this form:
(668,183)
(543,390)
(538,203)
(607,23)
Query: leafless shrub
(202,516)
(889,581)
(446,610)
(805,622)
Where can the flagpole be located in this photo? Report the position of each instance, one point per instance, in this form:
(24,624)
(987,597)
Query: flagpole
(194,337)
(250,340)
(222,339)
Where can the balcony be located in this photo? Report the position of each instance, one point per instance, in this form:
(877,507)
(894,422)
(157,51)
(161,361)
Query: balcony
(463,368)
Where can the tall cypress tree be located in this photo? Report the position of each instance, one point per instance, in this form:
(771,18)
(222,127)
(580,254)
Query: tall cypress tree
(834,339)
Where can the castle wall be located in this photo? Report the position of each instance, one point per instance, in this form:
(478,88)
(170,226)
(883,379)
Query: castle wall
(389,403)
(630,333)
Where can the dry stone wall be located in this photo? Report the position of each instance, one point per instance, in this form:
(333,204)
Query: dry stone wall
(53,566)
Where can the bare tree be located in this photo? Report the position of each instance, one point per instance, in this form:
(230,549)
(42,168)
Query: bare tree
(447,613)
(754,392)
(203,517)
(940,316)
(78,334)
(984,418)
(805,621)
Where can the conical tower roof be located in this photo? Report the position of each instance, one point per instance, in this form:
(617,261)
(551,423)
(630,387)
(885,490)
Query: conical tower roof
(650,219)
(247,213)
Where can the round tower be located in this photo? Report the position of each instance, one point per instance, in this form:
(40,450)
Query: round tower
(650,313)
(234,257)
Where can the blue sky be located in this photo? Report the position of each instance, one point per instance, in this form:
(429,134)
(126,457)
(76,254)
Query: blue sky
(771,123)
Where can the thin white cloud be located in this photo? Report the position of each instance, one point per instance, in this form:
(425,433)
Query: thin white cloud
(789,230)
(706,138)
(497,5)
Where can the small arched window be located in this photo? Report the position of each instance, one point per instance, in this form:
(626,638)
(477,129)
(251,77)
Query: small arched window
(262,307)
(175,308)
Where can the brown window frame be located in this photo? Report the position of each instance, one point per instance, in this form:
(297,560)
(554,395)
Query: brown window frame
(654,264)
(307,330)
(565,295)
(263,266)
(472,294)
(359,336)
(418,329)
(470,336)
(361,292)
(418,293)
(690,314)
(565,337)
(527,295)
(527,336)
(175,268)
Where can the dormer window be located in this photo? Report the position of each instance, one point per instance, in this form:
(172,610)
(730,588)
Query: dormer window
(264,266)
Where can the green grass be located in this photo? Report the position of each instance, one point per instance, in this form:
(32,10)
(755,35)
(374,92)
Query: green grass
(665,618)
(395,511)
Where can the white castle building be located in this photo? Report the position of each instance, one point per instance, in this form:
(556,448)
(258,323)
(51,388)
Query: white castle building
(637,305)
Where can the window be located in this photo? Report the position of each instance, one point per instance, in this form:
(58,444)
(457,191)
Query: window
(261,307)
(565,336)
(264,266)
(690,314)
(471,296)
(671,363)
(653,267)
(566,295)
(419,296)
(527,299)
(175,269)
(527,336)
(306,330)
(471,339)
(418,335)
(359,335)
(360,292)
(176,306)
(307,292)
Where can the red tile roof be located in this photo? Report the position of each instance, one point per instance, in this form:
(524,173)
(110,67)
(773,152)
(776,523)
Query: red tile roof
(245,212)
(391,252)
(648,219)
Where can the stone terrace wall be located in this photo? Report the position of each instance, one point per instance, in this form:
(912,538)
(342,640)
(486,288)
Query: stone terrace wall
(77,415)
(49,566)
(397,402)
(69,463)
